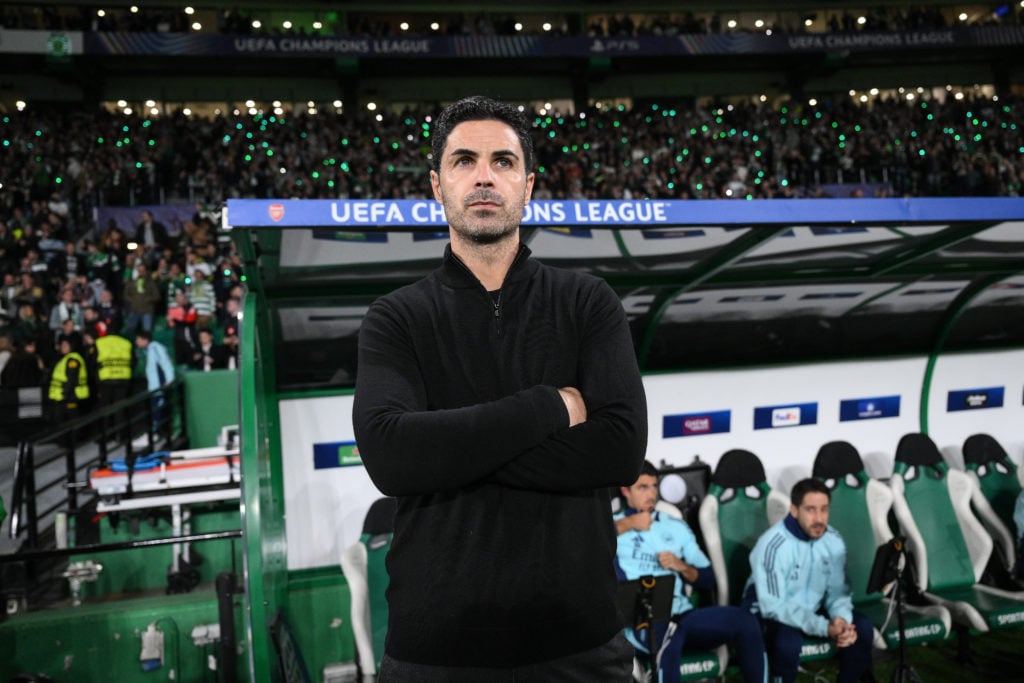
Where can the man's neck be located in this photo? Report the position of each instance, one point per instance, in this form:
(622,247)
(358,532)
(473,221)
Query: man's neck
(488,262)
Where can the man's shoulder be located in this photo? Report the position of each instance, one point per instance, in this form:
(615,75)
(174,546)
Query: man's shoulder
(776,535)
(673,523)
(564,275)
(834,539)
(414,292)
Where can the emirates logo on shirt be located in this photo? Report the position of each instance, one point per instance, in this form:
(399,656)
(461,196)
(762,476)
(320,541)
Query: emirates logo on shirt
(276,211)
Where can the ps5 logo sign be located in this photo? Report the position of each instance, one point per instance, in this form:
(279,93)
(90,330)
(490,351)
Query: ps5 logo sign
(974,399)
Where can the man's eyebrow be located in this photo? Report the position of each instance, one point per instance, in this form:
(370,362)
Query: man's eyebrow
(462,152)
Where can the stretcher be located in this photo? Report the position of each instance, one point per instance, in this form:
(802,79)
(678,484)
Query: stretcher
(167,478)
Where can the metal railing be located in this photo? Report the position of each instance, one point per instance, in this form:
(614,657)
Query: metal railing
(52,468)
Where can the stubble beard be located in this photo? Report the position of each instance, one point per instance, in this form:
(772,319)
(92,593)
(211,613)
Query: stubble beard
(476,225)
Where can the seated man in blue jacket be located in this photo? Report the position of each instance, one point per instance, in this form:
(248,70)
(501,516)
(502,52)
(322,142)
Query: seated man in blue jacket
(653,544)
(798,586)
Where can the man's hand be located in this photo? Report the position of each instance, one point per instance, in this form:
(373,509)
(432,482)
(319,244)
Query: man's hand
(574,404)
(842,632)
(672,562)
(669,560)
(638,521)
(641,521)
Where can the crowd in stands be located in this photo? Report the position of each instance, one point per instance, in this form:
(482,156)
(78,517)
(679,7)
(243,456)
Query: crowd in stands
(63,276)
(62,162)
(62,291)
(235,21)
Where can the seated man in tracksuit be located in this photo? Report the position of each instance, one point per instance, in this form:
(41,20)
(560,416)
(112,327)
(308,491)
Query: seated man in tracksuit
(798,586)
(652,544)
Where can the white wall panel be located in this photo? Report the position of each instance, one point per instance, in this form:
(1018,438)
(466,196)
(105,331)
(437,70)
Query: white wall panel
(325,507)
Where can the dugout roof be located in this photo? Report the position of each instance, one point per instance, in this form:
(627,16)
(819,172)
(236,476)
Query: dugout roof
(705,283)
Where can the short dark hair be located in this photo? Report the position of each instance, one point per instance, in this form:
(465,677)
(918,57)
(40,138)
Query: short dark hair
(144,334)
(479,108)
(805,486)
(649,469)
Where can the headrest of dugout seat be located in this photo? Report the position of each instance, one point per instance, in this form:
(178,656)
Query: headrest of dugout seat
(981,449)
(738,469)
(836,460)
(380,518)
(918,449)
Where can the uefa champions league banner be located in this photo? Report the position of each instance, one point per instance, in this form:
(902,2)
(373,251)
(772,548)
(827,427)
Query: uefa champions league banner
(520,46)
(414,214)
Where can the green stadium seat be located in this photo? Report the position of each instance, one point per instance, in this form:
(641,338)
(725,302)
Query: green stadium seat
(859,510)
(367,576)
(738,508)
(998,485)
(951,548)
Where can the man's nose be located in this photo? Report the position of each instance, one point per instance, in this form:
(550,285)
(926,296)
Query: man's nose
(484,175)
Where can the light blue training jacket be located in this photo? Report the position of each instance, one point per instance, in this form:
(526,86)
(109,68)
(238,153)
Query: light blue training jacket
(637,555)
(795,576)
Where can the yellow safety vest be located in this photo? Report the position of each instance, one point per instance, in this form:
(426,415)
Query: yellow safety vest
(113,358)
(60,378)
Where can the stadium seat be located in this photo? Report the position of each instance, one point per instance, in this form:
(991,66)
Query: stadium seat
(950,546)
(998,485)
(733,515)
(859,511)
(367,576)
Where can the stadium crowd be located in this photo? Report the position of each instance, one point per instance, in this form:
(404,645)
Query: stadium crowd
(60,163)
(62,293)
(965,147)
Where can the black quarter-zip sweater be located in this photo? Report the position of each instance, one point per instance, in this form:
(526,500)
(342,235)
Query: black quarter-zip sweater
(504,545)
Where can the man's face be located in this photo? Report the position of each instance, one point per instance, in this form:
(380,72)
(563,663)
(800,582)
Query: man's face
(812,513)
(481,181)
(643,494)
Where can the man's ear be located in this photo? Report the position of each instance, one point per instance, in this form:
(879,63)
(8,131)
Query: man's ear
(793,510)
(435,185)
